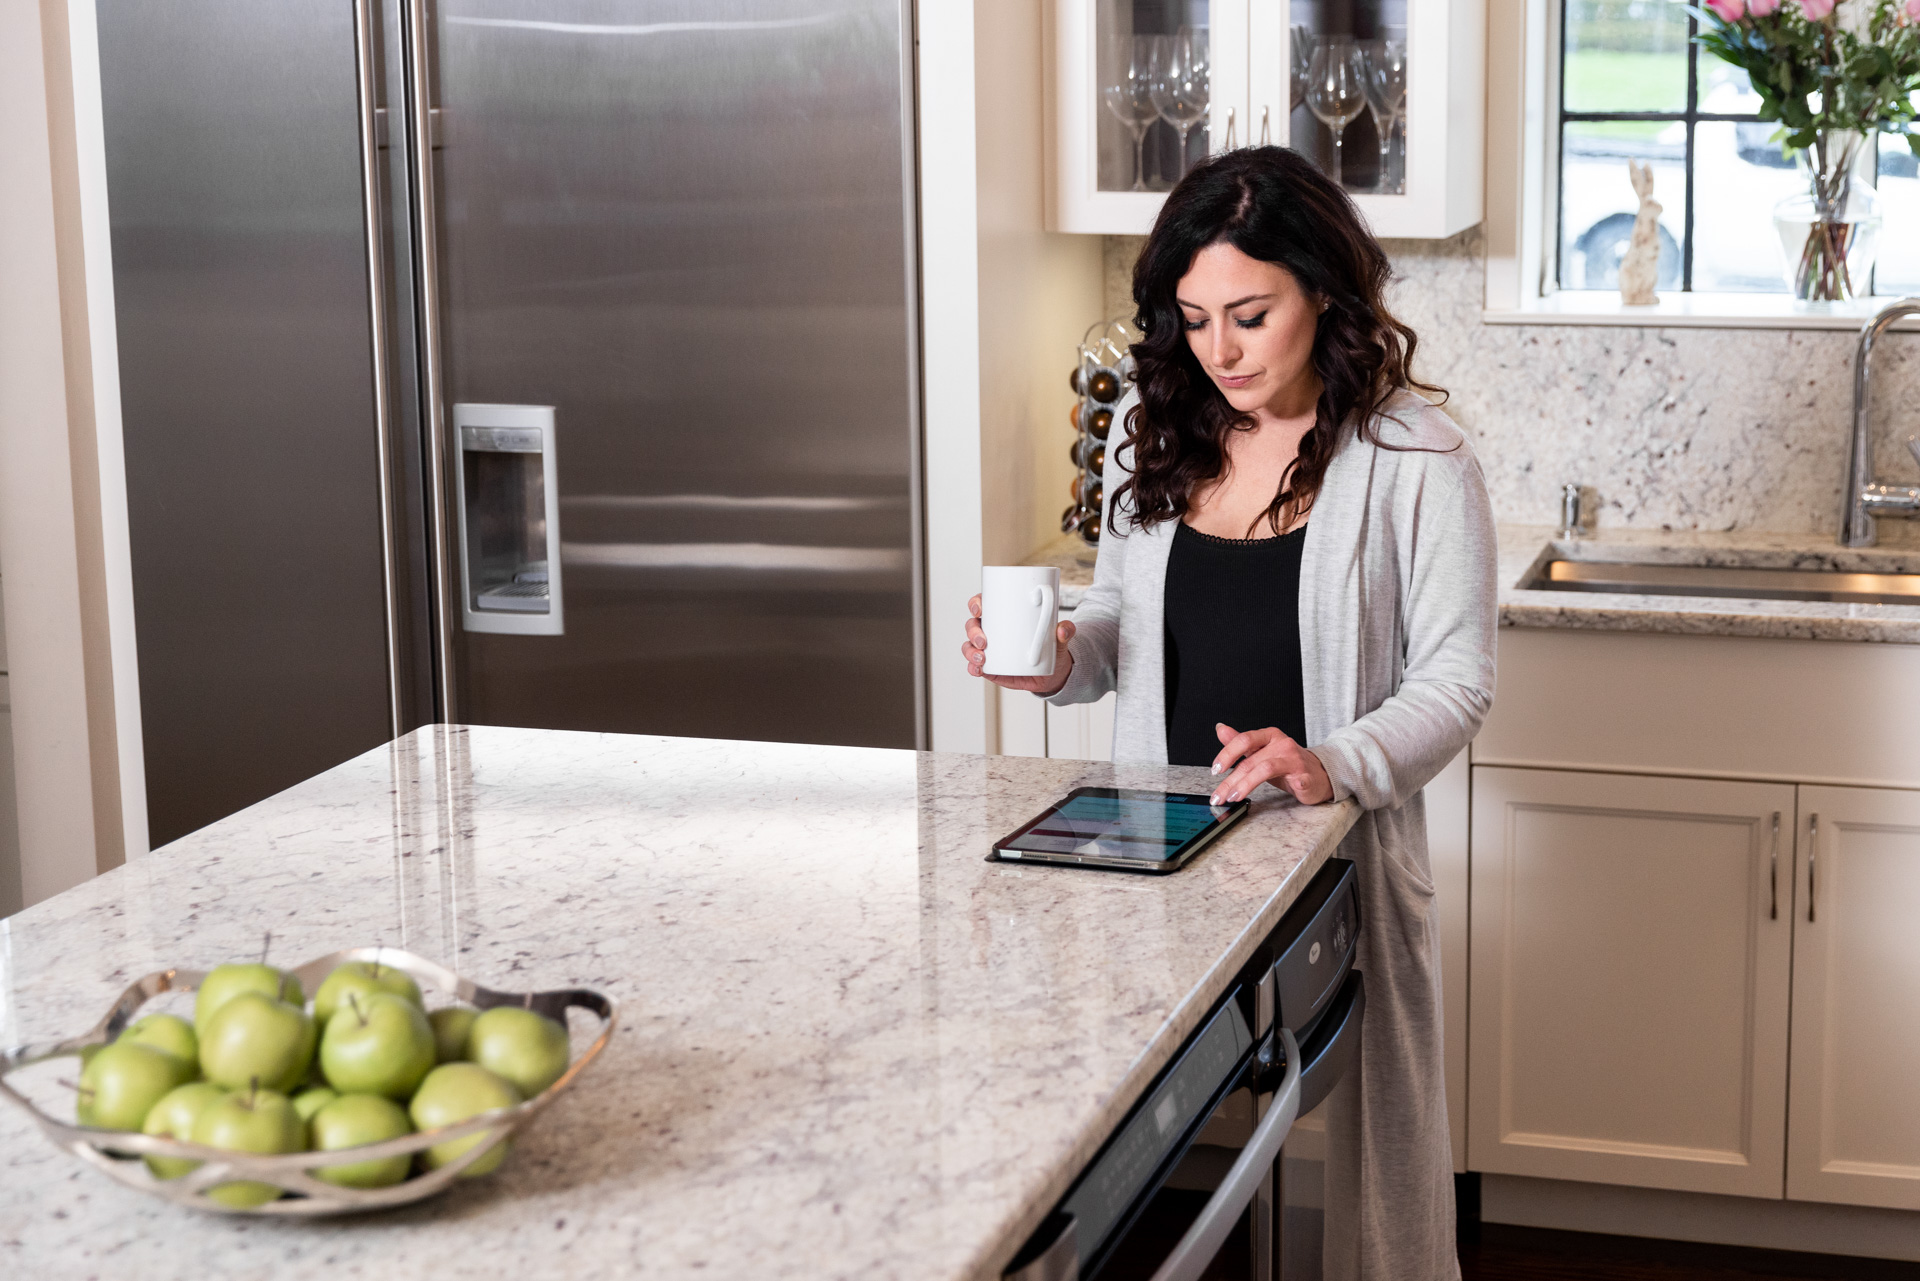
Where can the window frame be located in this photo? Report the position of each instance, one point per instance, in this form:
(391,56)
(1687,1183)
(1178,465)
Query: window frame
(1525,56)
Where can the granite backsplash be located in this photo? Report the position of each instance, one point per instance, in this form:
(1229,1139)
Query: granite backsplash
(1694,429)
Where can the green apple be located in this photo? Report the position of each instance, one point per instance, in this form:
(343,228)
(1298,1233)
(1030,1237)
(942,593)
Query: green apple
(355,1120)
(312,1099)
(167,1032)
(363,979)
(261,1121)
(174,1117)
(379,1045)
(527,1049)
(256,1039)
(309,1101)
(450,1028)
(225,982)
(120,1085)
(454,1092)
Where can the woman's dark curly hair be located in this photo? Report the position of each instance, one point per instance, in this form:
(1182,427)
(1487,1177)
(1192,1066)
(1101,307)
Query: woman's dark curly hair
(1274,205)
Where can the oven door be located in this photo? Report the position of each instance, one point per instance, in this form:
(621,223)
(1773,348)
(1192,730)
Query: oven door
(1225,1205)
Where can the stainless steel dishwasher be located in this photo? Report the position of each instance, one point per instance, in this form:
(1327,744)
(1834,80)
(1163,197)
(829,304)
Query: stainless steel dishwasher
(1197,1180)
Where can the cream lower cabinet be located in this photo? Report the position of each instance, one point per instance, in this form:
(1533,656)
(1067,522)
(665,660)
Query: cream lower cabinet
(1629,986)
(1854,1128)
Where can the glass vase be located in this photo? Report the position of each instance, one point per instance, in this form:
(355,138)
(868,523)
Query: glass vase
(1830,232)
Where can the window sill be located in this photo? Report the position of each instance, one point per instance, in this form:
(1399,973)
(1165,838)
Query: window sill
(1690,311)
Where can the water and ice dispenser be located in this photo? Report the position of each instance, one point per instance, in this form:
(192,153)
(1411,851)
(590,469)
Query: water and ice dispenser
(509,519)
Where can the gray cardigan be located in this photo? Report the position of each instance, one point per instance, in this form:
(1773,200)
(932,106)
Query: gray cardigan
(1397,621)
(1396,611)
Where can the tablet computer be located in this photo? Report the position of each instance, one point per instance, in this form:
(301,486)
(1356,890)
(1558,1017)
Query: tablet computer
(1120,827)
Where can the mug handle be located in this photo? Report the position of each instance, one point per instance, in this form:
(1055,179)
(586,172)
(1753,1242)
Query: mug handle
(1043,597)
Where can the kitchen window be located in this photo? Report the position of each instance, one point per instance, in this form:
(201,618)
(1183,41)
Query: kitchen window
(1576,89)
(1634,86)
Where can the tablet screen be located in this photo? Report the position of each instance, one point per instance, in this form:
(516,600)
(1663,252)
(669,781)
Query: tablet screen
(1125,823)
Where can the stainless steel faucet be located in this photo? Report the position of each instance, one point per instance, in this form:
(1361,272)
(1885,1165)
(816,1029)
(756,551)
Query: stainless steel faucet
(1570,526)
(1864,498)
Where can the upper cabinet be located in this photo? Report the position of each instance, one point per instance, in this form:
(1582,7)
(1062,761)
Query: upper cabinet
(1139,90)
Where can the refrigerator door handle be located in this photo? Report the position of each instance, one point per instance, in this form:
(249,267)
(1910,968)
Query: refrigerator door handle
(432,375)
(1203,1240)
(372,138)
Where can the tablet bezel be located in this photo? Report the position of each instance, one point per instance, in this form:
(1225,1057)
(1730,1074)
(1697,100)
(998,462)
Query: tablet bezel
(1180,857)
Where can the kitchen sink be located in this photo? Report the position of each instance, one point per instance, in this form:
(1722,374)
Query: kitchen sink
(1743,583)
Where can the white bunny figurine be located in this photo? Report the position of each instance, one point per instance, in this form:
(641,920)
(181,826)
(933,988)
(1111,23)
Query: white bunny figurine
(1641,266)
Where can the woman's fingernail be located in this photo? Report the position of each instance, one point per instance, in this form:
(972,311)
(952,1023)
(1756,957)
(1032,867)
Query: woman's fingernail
(1216,767)
(1214,799)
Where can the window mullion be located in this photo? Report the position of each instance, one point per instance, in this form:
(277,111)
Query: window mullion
(1693,120)
(1560,161)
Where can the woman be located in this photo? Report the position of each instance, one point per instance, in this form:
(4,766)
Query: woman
(1296,587)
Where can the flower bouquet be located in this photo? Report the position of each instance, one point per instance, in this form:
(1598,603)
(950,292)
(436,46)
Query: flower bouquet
(1833,75)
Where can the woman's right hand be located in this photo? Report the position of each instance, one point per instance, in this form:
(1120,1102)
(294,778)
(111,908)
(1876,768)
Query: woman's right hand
(975,652)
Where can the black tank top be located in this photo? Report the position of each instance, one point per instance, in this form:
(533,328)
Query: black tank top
(1232,610)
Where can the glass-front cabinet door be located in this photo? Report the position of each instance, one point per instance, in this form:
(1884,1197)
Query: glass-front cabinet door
(1141,89)
(1384,94)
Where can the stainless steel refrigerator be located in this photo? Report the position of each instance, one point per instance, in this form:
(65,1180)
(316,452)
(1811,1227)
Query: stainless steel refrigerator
(526,362)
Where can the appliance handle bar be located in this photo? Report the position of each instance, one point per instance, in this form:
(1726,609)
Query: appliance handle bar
(1330,1051)
(1203,1240)
(377,316)
(432,375)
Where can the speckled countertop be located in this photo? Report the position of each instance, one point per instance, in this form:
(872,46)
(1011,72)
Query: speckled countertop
(849,1047)
(1524,547)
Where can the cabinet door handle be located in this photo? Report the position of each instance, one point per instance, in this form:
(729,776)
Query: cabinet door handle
(1266,133)
(1773,873)
(1813,849)
(1229,146)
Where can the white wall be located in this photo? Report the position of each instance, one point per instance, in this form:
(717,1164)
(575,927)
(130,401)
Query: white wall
(67,584)
(1005,303)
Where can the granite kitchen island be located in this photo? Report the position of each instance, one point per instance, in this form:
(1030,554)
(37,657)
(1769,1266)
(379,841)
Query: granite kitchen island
(848,1046)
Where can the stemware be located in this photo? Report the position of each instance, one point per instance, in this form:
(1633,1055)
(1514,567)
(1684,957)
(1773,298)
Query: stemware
(1299,59)
(1128,93)
(1336,88)
(1180,88)
(1385,62)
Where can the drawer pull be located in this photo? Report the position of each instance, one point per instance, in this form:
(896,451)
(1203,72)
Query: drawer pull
(1773,873)
(1813,849)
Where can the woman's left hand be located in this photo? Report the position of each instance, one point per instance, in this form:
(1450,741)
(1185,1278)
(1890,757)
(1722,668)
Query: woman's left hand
(1267,756)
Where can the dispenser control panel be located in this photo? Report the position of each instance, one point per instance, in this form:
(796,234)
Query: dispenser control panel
(503,440)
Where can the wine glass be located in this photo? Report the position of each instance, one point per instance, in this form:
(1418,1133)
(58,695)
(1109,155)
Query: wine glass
(1386,67)
(1336,88)
(1129,94)
(1180,83)
(1299,58)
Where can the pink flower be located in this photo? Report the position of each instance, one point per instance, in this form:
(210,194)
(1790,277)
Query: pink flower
(1816,10)
(1730,10)
(1766,8)
(1913,10)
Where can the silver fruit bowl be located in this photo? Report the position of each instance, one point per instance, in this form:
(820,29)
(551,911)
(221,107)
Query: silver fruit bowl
(117,1152)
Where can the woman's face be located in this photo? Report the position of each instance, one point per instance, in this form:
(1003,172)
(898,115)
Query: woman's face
(1251,327)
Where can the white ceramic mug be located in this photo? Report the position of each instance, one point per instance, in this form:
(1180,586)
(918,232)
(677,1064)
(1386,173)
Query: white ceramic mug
(1019,609)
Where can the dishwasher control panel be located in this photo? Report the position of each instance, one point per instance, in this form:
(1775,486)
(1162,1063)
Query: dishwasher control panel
(1309,968)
